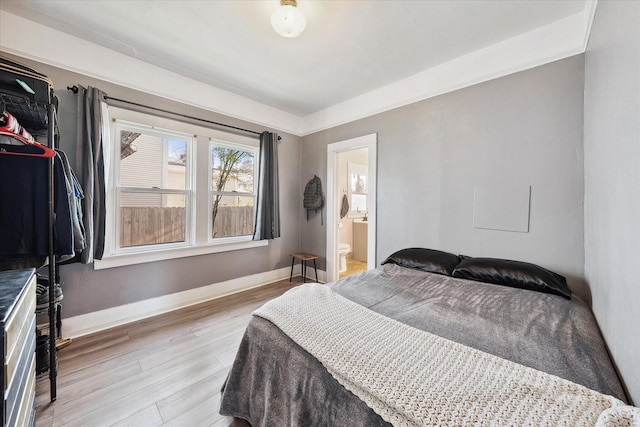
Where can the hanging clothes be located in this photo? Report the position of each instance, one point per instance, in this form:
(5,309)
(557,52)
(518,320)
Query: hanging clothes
(24,208)
(75,196)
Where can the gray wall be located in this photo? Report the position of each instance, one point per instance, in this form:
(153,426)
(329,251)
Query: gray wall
(612,181)
(523,129)
(87,290)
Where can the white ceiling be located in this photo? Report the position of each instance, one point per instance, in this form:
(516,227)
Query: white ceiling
(348,49)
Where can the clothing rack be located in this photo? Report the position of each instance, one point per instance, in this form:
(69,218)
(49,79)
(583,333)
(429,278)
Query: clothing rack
(32,103)
(75,89)
(37,260)
(52,312)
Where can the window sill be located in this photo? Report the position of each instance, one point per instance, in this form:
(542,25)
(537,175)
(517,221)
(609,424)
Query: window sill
(161,255)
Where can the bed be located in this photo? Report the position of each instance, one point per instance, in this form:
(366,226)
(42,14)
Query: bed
(526,318)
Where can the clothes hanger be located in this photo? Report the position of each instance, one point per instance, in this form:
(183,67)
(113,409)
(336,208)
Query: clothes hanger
(27,148)
(10,127)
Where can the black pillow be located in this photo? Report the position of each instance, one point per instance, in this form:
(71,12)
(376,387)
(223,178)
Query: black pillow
(517,274)
(429,260)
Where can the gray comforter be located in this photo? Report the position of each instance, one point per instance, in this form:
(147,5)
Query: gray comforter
(274,382)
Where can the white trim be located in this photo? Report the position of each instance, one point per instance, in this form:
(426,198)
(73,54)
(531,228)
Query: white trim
(367,141)
(561,39)
(118,260)
(85,324)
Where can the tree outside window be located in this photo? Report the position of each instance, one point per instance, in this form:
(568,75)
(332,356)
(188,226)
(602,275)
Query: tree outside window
(233,174)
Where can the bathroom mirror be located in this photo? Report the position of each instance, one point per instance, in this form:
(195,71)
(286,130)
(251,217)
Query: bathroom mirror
(358,188)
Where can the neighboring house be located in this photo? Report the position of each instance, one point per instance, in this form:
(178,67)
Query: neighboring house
(175,176)
(140,169)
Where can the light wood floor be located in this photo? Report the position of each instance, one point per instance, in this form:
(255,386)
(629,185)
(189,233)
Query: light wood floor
(353,267)
(163,371)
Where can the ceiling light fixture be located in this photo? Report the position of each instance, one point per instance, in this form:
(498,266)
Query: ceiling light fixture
(287,20)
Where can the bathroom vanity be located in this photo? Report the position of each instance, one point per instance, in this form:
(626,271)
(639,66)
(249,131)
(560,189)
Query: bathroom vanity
(360,235)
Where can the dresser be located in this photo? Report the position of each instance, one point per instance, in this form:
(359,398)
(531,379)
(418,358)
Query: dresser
(17,315)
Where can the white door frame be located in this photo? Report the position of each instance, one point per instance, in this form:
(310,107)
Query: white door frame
(366,141)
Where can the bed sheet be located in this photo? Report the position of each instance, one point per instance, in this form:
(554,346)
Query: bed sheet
(273,381)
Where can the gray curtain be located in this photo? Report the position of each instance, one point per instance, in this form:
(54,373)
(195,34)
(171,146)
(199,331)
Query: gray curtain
(90,164)
(268,203)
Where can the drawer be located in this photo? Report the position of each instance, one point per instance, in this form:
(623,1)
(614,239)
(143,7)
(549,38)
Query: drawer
(24,309)
(22,412)
(24,338)
(15,387)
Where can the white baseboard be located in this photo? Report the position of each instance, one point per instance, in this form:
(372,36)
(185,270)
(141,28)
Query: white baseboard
(85,324)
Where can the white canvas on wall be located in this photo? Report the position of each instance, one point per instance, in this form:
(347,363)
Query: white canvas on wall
(502,207)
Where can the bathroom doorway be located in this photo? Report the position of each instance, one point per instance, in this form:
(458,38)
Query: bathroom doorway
(351,203)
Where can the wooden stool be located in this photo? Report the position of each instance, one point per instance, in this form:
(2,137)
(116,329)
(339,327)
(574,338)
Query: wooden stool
(303,257)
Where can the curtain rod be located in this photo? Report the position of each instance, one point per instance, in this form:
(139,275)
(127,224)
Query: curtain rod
(75,89)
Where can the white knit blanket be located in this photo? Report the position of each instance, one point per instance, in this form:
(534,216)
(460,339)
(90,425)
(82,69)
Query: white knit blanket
(411,378)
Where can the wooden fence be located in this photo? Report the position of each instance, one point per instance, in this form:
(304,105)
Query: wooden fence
(154,225)
(233,221)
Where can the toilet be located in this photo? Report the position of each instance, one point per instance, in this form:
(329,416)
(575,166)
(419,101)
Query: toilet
(343,250)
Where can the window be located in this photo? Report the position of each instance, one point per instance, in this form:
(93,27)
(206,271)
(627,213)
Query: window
(358,187)
(233,174)
(176,189)
(153,194)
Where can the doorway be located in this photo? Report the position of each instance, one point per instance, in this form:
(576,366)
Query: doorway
(356,183)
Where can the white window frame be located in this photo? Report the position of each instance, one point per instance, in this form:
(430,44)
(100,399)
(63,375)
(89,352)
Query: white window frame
(198,240)
(188,192)
(240,147)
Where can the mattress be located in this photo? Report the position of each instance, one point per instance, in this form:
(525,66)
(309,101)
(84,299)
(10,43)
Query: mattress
(274,381)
